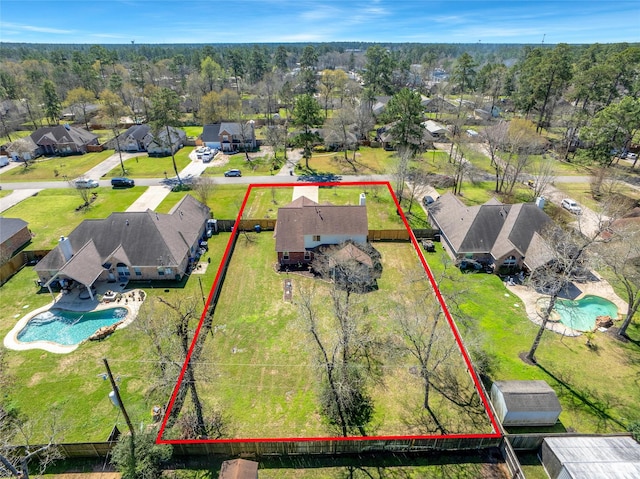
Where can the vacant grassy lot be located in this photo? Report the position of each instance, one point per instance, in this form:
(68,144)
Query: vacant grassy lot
(56,168)
(52,213)
(258,166)
(153,167)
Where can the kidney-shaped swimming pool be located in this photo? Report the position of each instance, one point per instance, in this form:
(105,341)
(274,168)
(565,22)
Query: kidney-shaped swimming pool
(68,327)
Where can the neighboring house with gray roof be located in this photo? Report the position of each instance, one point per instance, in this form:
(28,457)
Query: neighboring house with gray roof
(63,140)
(230,136)
(14,233)
(493,233)
(128,246)
(525,403)
(142,138)
(304,225)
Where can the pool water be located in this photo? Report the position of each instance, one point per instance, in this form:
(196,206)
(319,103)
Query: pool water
(68,327)
(581,314)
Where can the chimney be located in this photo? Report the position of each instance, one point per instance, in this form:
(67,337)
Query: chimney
(363,199)
(65,247)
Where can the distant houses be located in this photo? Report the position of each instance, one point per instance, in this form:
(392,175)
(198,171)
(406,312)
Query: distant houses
(142,138)
(58,140)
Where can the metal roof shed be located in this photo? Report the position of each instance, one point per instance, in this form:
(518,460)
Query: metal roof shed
(589,457)
(525,403)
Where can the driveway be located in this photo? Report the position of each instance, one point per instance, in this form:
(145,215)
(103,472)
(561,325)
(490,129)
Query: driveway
(16,197)
(150,199)
(109,164)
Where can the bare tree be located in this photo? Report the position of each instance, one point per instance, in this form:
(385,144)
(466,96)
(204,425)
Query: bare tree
(17,430)
(568,257)
(338,132)
(204,187)
(401,170)
(544,174)
(84,193)
(276,138)
(347,348)
(621,255)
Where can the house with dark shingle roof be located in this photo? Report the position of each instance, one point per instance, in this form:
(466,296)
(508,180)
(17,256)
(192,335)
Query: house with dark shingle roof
(142,138)
(128,246)
(62,140)
(304,225)
(493,233)
(14,233)
(230,136)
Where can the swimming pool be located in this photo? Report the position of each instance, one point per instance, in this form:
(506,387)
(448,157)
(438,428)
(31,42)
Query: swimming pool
(581,314)
(68,327)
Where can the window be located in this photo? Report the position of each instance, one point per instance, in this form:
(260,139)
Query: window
(137,271)
(285,255)
(168,271)
(160,272)
(510,261)
(307,255)
(316,238)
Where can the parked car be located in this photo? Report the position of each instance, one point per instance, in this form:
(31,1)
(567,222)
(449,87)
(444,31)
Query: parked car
(427,200)
(233,173)
(470,265)
(571,206)
(632,156)
(86,183)
(121,182)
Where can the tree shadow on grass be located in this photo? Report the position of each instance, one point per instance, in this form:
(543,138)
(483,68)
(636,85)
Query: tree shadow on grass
(579,399)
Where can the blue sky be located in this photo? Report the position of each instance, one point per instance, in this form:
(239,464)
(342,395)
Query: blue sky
(257,21)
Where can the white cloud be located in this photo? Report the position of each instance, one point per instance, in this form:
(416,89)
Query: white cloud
(34,28)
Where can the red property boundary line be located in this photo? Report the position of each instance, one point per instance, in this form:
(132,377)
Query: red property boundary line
(443,305)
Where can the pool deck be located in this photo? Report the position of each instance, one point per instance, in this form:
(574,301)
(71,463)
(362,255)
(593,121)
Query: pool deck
(597,287)
(131,300)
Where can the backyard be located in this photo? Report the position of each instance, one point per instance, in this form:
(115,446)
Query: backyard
(597,388)
(264,343)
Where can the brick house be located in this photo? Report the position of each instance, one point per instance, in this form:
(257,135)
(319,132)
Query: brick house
(63,140)
(14,233)
(304,225)
(230,137)
(141,138)
(493,233)
(128,246)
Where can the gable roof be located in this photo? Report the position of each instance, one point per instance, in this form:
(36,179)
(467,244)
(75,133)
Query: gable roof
(493,227)
(303,217)
(62,134)
(210,132)
(9,227)
(137,132)
(523,396)
(136,238)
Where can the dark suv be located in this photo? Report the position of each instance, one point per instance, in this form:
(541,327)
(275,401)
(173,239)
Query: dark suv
(120,182)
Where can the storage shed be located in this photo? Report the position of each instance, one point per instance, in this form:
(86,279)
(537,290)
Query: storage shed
(589,457)
(525,403)
(239,469)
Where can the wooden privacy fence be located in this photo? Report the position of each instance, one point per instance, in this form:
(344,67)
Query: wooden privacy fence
(292,447)
(18,261)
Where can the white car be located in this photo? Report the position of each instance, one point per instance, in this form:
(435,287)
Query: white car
(571,206)
(86,183)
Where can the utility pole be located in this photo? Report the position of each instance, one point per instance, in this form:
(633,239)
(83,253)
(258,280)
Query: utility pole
(124,413)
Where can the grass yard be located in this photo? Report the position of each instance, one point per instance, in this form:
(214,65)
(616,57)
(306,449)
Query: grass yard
(225,202)
(56,168)
(153,167)
(258,337)
(52,212)
(70,387)
(192,131)
(597,389)
(259,166)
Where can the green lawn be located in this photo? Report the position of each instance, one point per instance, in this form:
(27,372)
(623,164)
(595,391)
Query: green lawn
(52,213)
(15,135)
(259,166)
(70,387)
(263,342)
(192,131)
(153,167)
(597,389)
(56,168)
